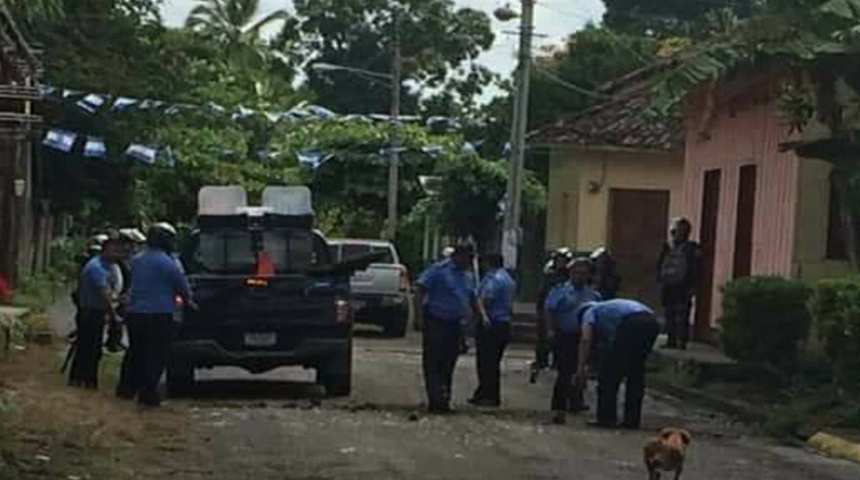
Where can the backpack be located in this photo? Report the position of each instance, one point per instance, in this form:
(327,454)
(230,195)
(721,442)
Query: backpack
(675,268)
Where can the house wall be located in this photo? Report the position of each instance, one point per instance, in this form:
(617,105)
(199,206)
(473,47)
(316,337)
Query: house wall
(741,131)
(578,218)
(810,251)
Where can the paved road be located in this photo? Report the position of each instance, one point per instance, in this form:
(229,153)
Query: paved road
(281,428)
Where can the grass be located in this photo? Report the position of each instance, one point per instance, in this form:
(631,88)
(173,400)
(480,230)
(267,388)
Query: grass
(48,430)
(808,405)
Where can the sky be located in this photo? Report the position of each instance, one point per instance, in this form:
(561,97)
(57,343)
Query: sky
(553,18)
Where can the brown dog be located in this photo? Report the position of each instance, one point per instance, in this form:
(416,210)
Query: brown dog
(666,451)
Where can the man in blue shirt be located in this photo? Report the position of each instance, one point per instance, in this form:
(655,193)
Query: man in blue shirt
(156,281)
(630,329)
(448,294)
(96,303)
(497,295)
(562,305)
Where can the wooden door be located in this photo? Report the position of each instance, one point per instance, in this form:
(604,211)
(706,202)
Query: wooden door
(638,224)
(708,238)
(744,231)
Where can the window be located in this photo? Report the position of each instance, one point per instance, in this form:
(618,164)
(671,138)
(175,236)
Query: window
(835,230)
(235,251)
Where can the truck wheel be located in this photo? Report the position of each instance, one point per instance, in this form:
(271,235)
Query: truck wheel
(336,376)
(397,324)
(180,379)
(339,385)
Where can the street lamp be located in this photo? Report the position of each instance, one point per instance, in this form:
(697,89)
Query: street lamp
(396,132)
(511,235)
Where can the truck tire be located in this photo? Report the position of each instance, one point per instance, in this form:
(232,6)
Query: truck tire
(397,324)
(336,375)
(180,379)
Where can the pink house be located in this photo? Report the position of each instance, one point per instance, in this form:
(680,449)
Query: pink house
(757,208)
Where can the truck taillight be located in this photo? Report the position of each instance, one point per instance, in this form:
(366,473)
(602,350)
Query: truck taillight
(342,310)
(404,280)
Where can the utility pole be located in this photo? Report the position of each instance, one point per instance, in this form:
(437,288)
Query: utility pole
(396,130)
(512,234)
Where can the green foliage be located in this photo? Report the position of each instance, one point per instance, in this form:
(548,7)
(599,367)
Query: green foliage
(836,308)
(439,43)
(765,321)
(589,58)
(665,18)
(232,24)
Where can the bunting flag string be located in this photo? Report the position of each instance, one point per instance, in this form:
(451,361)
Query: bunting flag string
(95,146)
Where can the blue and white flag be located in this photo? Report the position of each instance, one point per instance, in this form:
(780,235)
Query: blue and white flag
(243,112)
(142,153)
(312,157)
(274,117)
(122,103)
(151,105)
(91,103)
(320,112)
(61,140)
(433,149)
(95,148)
(46,90)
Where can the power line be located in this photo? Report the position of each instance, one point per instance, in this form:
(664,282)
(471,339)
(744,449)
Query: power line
(572,86)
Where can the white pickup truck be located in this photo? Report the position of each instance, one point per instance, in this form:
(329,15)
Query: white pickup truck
(380,294)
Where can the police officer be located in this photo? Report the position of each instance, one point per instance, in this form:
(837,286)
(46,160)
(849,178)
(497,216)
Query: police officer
(631,329)
(156,280)
(562,306)
(96,303)
(448,292)
(496,292)
(554,274)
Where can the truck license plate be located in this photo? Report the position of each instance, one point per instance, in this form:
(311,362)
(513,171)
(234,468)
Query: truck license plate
(261,339)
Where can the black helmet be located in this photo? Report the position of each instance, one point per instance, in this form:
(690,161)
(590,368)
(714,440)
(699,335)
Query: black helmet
(162,236)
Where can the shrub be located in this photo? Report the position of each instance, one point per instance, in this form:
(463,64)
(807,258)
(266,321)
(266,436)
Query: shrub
(836,308)
(765,321)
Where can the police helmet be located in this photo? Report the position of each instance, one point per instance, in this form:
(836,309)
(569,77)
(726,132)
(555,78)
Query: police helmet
(132,235)
(162,236)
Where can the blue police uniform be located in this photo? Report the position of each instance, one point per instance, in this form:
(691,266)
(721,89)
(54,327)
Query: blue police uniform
(563,303)
(630,330)
(449,292)
(497,294)
(157,279)
(96,277)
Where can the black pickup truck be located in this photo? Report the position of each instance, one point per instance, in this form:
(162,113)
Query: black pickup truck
(268,295)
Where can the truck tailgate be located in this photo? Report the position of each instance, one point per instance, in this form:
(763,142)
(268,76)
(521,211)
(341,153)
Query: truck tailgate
(294,300)
(378,279)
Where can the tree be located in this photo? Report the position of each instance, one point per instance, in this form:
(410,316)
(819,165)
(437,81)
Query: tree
(588,59)
(667,18)
(438,43)
(233,24)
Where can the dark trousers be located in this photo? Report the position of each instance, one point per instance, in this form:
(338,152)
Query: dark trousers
(678,322)
(625,362)
(84,370)
(565,395)
(492,341)
(149,338)
(441,347)
(542,347)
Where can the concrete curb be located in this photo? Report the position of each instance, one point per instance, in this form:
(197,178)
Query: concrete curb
(833,446)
